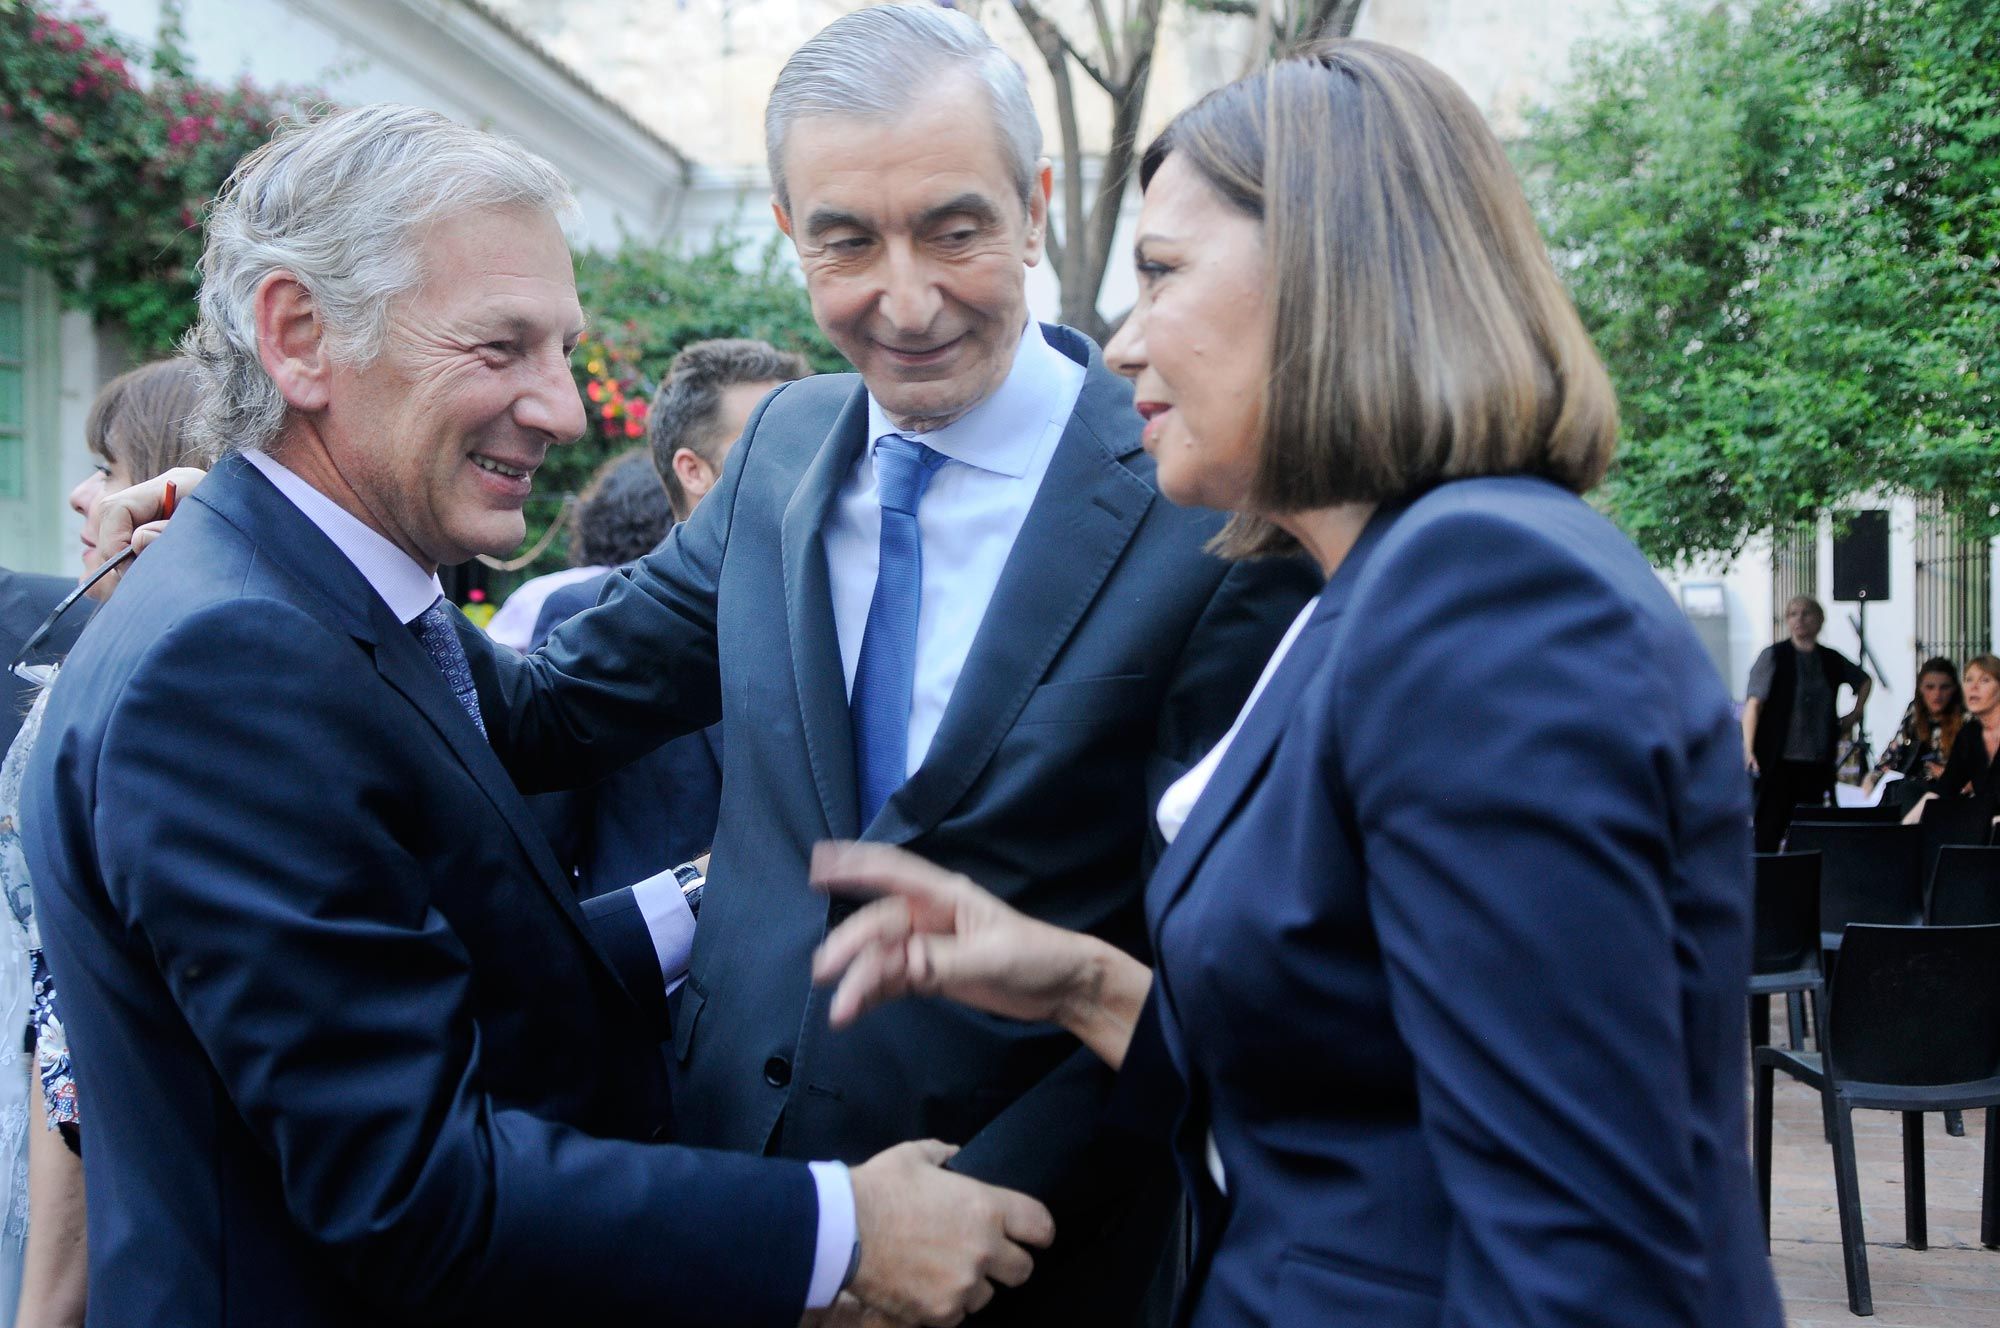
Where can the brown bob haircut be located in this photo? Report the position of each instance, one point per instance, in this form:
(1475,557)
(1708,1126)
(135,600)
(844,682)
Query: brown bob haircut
(139,418)
(1419,332)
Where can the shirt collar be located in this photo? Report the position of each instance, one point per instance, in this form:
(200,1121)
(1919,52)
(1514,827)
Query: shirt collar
(1001,433)
(404,586)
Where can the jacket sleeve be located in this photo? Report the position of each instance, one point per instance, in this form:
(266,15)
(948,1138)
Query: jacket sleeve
(283,893)
(1519,852)
(617,680)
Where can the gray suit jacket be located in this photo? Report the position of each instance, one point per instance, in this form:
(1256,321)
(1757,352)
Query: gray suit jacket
(1114,652)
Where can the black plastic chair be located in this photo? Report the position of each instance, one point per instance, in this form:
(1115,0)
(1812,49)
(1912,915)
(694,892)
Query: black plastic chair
(1948,821)
(1965,886)
(1785,958)
(1870,873)
(1809,813)
(1912,1025)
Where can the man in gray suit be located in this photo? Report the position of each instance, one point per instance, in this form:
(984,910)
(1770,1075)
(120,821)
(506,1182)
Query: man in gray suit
(942,605)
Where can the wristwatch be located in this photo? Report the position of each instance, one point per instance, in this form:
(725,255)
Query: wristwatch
(691,882)
(853,1263)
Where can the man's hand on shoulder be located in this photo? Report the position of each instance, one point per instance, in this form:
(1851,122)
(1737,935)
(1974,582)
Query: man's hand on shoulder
(933,1243)
(136,516)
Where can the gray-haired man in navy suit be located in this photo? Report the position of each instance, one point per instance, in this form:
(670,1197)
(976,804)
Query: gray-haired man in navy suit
(939,604)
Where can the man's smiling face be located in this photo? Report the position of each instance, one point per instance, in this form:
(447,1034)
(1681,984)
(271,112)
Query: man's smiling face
(437,438)
(915,242)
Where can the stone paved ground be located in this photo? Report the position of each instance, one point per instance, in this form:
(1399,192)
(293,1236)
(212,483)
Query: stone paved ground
(1953,1284)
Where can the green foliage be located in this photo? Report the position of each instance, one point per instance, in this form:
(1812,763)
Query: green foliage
(1781,221)
(105,181)
(644,303)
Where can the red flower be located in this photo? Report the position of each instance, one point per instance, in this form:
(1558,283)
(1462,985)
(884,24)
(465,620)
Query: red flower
(633,428)
(595,391)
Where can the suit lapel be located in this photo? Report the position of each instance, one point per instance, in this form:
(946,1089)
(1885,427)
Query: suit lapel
(407,667)
(1243,764)
(816,668)
(1085,513)
(284,535)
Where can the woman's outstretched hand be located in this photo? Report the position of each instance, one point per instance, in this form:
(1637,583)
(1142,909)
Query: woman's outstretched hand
(936,933)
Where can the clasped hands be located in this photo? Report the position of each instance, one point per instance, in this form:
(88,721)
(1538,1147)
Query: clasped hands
(934,932)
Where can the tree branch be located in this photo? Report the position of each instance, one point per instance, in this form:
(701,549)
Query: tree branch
(1105,38)
(1333,18)
(1041,28)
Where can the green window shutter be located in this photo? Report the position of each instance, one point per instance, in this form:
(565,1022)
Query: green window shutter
(13,374)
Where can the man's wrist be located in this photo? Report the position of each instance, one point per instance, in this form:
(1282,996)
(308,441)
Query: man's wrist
(837,1242)
(692,882)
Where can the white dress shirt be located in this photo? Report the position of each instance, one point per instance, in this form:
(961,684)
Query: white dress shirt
(967,521)
(408,590)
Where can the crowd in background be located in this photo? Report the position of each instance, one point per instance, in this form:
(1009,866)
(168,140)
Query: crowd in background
(1947,744)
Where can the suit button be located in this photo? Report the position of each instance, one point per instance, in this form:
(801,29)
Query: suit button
(777,1072)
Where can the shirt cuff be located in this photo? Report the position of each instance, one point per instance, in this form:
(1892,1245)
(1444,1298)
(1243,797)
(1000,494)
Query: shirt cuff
(835,1245)
(668,922)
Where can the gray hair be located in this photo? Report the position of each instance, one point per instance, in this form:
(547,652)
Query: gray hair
(337,201)
(873,62)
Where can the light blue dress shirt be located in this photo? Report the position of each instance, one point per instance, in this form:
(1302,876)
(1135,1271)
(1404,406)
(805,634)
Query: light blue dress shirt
(967,523)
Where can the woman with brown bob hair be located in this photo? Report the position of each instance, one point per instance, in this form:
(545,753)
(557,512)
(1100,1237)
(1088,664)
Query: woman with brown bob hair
(1446,1020)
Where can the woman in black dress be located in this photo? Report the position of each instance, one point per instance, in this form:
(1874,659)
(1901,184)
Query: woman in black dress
(1973,769)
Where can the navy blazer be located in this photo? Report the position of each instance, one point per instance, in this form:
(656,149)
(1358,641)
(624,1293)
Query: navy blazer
(1452,950)
(655,813)
(349,1051)
(1114,652)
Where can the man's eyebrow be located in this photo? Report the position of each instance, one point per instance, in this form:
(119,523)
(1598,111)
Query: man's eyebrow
(824,219)
(515,327)
(976,206)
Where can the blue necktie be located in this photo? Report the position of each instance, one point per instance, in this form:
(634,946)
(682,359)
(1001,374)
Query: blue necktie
(887,670)
(434,628)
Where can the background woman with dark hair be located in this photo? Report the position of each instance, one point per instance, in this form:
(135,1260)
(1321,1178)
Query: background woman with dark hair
(1973,769)
(1923,740)
(1428,1051)
(134,433)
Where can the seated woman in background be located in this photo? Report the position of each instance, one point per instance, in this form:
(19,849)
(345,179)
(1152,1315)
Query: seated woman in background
(133,432)
(1428,1050)
(1923,740)
(1973,768)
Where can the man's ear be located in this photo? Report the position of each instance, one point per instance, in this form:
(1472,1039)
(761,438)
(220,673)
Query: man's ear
(290,341)
(696,475)
(784,219)
(1038,211)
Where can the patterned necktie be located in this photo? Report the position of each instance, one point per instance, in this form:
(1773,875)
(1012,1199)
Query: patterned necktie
(886,672)
(434,628)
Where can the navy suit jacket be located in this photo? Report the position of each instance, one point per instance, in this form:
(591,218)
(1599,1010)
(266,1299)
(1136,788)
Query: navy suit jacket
(655,813)
(349,1051)
(1452,950)
(1114,652)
